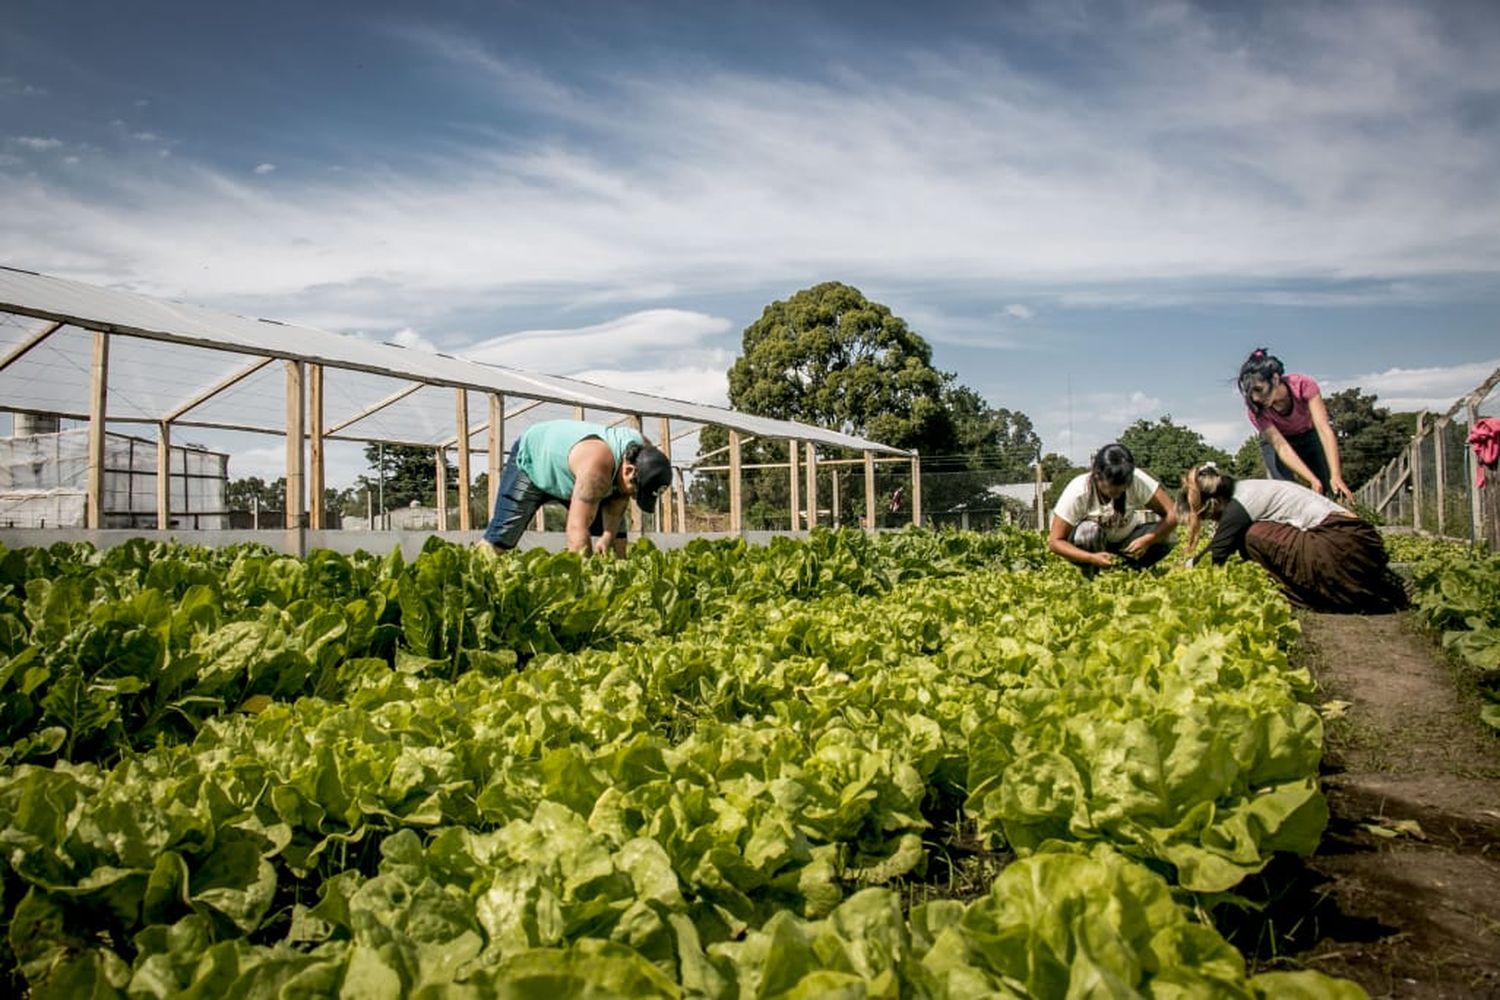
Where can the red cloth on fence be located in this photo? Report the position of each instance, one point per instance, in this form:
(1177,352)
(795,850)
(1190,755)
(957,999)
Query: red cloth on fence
(1484,436)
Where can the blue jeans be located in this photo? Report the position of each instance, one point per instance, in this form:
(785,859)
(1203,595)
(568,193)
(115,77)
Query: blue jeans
(518,500)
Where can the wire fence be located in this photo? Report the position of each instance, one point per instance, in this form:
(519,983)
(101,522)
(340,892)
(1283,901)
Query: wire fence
(1433,487)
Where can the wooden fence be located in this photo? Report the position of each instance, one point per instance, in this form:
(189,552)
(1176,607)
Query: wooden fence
(1431,486)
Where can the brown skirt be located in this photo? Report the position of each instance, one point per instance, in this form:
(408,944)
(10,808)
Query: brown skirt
(1340,565)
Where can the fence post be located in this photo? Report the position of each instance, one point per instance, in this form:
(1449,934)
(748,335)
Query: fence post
(1476,503)
(1439,474)
(1416,474)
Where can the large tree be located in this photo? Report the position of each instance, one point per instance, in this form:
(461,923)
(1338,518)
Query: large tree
(1369,436)
(828,356)
(1166,450)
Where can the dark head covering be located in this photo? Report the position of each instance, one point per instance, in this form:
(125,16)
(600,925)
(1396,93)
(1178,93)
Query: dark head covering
(653,473)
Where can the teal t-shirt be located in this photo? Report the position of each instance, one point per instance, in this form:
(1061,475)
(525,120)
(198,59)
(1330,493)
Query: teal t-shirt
(542,451)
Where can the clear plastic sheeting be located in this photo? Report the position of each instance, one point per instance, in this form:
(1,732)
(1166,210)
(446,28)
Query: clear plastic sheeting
(44,482)
(197,367)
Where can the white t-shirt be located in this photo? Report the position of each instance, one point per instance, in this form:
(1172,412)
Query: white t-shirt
(1284,503)
(1081,502)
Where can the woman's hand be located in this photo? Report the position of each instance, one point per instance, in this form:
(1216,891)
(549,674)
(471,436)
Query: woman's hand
(1139,546)
(1102,559)
(1341,489)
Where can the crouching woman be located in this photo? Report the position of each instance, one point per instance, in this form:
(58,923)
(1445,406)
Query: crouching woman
(1324,557)
(1098,516)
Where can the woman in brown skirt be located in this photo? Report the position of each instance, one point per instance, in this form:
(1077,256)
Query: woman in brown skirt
(1324,557)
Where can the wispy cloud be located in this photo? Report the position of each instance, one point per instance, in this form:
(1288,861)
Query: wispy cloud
(264,168)
(38,144)
(1411,389)
(1336,146)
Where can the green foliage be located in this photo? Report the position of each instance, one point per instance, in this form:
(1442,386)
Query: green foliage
(830,357)
(705,771)
(1369,436)
(1249,462)
(252,492)
(1457,593)
(410,474)
(1166,450)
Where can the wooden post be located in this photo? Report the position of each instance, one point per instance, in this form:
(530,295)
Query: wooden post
(98,406)
(812,486)
(497,444)
(664,498)
(461,418)
(163,475)
(869,490)
(637,517)
(796,495)
(916,490)
(736,485)
(1439,428)
(1416,474)
(295,429)
(577,413)
(681,501)
(1476,502)
(315,467)
(441,457)
(834,511)
(1041,502)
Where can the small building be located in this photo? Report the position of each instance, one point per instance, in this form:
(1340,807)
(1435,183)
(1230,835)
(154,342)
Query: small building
(44,480)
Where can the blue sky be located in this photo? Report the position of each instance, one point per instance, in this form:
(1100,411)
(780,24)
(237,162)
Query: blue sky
(1092,211)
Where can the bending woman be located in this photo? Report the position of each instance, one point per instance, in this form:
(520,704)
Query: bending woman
(1324,557)
(1098,515)
(1296,436)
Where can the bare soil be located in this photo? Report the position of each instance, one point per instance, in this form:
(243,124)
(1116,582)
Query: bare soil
(1404,895)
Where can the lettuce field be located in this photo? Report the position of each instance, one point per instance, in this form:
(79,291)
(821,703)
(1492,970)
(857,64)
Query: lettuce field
(721,771)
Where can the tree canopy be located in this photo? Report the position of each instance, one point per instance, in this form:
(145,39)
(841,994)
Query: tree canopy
(410,473)
(1369,436)
(1166,450)
(830,357)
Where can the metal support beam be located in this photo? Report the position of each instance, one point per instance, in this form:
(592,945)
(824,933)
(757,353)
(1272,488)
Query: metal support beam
(812,486)
(441,457)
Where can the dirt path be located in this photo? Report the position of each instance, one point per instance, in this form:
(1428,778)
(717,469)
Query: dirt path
(1404,895)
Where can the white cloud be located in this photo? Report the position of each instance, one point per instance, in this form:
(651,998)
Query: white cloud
(1017,311)
(37,144)
(145,136)
(652,332)
(265,168)
(1409,389)
(1328,147)
(407,337)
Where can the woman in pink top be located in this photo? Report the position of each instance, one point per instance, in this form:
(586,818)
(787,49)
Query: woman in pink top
(1296,437)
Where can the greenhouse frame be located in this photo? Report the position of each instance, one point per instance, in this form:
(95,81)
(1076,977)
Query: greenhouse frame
(111,357)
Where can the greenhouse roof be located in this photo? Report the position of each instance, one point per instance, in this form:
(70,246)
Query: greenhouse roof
(198,367)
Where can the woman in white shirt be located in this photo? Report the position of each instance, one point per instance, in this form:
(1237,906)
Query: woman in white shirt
(1323,556)
(1098,516)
